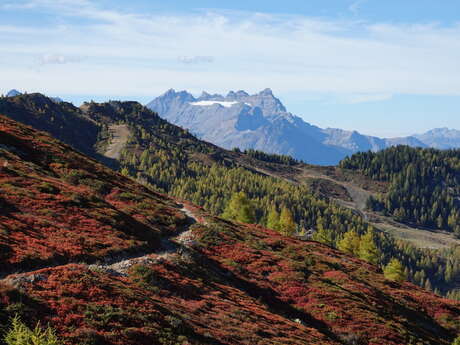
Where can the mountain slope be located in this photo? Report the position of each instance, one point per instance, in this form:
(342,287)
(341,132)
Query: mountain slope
(225,283)
(417,178)
(262,122)
(171,160)
(64,121)
(240,119)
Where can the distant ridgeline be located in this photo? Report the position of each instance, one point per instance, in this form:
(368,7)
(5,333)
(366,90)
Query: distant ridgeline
(424,184)
(171,160)
(261,121)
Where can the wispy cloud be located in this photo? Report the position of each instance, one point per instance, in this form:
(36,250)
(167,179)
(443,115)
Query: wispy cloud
(195,59)
(57,59)
(137,53)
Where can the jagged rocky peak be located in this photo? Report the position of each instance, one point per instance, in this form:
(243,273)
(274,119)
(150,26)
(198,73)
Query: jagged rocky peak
(268,102)
(231,94)
(184,96)
(204,96)
(208,97)
(242,93)
(171,93)
(239,95)
(266,92)
(265,99)
(13,93)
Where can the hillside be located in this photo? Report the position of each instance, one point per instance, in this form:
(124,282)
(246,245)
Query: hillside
(140,144)
(108,261)
(423,185)
(173,161)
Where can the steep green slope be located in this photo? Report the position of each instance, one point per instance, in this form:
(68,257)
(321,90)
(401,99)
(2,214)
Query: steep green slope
(424,184)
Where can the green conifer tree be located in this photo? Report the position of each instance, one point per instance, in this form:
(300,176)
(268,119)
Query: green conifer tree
(349,243)
(368,251)
(323,235)
(395,271)
(287,225)
(240,209)
(20,334)
(273,219)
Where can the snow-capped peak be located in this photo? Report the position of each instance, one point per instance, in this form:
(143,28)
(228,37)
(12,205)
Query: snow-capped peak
(226,104)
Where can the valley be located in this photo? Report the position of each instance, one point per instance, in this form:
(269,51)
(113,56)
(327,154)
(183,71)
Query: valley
(358,196)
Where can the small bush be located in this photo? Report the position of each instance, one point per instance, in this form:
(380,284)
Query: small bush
(77,199)
(74,176)
(130,196)
(102,315)
(87,336)
(97,186)
(146,277)
(47,188)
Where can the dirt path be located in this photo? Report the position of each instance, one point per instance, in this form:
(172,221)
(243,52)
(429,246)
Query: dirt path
(421,238)
(120,135)
(119,266)
(357,194)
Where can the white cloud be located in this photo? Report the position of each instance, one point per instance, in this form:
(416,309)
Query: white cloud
(136,54)
(195,59)
(57,59)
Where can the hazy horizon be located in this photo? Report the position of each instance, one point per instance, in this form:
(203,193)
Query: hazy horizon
(323,122)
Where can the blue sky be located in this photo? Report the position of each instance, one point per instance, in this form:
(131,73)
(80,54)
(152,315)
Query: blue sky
(387,68)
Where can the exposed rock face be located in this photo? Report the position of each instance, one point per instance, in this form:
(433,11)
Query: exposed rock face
(262,122)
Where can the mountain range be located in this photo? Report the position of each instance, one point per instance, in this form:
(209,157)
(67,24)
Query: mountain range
(262,122)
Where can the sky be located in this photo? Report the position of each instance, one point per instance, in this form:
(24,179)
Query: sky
(387,68)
